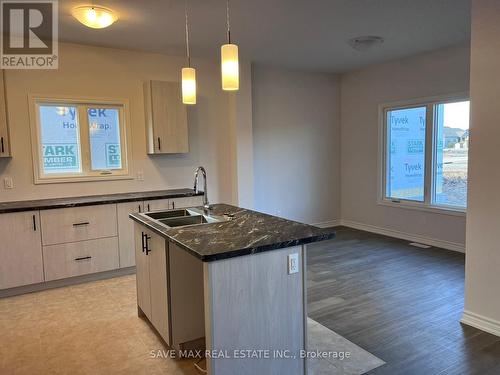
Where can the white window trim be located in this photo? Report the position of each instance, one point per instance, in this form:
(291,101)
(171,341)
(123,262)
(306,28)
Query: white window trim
(39,178)
(427,205)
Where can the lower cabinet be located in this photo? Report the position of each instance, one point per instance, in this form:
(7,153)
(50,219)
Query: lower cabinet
(126,231)
(20,249)
(157,204)
(152,281)
(80,258)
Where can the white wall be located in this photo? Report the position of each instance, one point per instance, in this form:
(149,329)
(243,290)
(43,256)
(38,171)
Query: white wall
(296,144)
(103,72)
(441,72)
(482,302)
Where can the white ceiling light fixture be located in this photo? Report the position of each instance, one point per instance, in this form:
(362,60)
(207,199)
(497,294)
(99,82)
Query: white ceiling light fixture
(229,60)
(95,17)
(365,43)
(188,73)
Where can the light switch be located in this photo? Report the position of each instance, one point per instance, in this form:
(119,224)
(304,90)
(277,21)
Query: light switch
(293,263)
(8,183)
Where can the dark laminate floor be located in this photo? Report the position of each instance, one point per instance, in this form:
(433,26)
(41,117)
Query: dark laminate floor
(401,303)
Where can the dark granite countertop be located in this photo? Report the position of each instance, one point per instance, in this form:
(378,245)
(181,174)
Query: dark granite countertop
(248,232)
(46,204)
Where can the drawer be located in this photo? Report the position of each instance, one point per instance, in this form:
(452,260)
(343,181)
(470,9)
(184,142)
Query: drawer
(80,258)
(78,223)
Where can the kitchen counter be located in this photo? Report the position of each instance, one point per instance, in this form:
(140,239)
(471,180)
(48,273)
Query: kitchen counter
(47,204)
(247,232)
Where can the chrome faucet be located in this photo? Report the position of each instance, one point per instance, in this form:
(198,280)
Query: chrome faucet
(205,194)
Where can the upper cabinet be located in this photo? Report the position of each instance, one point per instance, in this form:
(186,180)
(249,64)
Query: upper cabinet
(166,118)
(4,129)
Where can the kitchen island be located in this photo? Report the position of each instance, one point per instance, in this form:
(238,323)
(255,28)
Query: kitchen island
(230,277)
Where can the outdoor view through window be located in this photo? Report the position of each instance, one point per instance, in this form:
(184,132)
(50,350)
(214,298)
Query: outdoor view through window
(409,152)
(452,148)
(80,140)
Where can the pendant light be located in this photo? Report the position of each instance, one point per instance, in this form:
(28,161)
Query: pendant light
(229,60)
(188,73)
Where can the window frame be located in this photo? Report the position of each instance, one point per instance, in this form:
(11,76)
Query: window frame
(430,154)
(87,173)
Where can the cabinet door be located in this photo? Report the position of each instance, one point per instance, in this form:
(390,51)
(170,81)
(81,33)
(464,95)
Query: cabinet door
(4,129)
(142,272)
(20,249)
(167,120)
(159,285)
(126,232)
(186,202)
(156,204)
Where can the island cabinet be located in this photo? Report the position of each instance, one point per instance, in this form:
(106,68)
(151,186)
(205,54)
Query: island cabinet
(20,249)
(152,280)
(166,118)
(169,289)
(4,128)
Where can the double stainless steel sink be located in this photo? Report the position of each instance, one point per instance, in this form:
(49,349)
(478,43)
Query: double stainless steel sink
(183,217)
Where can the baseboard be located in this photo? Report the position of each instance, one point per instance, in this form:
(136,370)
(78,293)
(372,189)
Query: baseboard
(328,224)
(454,246)
(66,282)
(481,322)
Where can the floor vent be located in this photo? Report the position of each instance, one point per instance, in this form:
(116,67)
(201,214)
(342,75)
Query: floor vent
(421,245)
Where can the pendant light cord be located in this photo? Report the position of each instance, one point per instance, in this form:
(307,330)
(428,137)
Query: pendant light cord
(227,23)
(187,33)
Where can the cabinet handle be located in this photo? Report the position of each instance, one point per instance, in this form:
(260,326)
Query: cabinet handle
(80,224)
(149,209)
(83,258)
(139,207)
(173,205)
(148,250)
(34,223)
(2,146)
(159,144)
(143,243)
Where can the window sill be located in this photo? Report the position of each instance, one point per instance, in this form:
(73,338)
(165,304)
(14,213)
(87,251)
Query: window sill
(58,180)
(450,211)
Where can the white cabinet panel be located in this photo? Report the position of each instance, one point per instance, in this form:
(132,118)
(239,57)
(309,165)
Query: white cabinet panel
(166,118)
(80,258)
(20,249)
(186,202)
(4,127)
(156,204)
(126,232)
(78,223)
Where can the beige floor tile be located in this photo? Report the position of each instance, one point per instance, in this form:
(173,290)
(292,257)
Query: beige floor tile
(90,328)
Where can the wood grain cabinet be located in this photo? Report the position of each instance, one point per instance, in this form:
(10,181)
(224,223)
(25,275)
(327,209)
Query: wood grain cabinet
(152,280)
(126,231)
(4,128)
(166,118)
(20,249)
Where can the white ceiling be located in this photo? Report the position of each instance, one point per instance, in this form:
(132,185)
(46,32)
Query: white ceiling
(298,34)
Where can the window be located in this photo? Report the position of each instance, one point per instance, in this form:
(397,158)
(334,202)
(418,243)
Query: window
(79,140)
(425,154)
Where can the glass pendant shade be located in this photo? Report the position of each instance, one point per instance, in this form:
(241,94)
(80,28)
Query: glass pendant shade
(188,85)
(230,67)
(94,17)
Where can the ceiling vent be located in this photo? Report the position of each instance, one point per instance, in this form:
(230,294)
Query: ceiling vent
(365,43)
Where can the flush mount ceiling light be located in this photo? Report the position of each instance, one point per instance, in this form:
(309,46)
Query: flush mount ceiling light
(95,17)
(364,43)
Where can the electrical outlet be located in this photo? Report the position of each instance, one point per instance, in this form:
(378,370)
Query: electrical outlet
(8,183)
(140,176)
(293,263)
